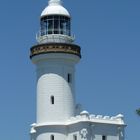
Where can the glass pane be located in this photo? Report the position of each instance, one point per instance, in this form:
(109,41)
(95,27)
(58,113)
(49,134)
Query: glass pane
(49,17)
(56,17)
(61,26)
(68,27)
(43,27)
(50,26)
(64,27)
(56,26)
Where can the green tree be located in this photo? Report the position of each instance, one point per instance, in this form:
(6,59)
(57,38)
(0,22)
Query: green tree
(138,111)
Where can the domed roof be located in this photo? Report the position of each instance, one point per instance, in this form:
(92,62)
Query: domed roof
(55,8)
(84,113)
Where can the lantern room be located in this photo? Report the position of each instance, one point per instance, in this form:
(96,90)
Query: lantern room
(55,24)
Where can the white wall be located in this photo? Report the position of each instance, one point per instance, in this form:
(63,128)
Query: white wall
(52,71)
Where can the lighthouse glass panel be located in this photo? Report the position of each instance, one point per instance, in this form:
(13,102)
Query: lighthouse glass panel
(55,24)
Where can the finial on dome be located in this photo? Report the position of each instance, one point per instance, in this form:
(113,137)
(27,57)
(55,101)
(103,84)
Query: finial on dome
(55,2)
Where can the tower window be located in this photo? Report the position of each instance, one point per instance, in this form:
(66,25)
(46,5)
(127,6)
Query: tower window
(104,138)
(74,137)
(52,137)
(52,100)
(69,78)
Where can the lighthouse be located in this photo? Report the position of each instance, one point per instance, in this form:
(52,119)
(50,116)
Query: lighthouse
(55,56)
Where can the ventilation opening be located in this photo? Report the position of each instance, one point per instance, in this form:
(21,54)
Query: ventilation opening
(52,100)
(69,78)
(52,137)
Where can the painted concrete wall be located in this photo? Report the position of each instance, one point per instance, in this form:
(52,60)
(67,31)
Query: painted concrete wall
(52,80)
(82,130)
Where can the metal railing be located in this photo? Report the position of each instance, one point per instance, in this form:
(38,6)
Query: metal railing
(54,36)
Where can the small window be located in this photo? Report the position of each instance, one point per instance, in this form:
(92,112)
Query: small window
(69,78)
(104,138)
(52,100)
(74,137)
(52,137)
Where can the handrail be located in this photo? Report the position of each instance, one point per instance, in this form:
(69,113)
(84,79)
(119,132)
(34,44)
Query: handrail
(54,37)
(52,31)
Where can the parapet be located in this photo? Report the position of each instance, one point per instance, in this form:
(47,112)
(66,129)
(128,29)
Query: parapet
(85,116)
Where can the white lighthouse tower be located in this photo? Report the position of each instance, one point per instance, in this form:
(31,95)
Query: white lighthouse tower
(55,56)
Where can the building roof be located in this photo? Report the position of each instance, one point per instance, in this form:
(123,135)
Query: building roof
(55,8)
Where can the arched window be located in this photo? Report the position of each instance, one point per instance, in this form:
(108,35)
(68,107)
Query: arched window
(52,137)
(52,100)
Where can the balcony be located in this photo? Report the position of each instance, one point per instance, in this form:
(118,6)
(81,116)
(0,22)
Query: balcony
(55,36)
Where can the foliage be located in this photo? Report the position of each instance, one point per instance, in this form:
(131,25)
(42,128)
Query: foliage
(138,111)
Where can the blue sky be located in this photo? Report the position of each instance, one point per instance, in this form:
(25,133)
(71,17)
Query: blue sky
(107,78)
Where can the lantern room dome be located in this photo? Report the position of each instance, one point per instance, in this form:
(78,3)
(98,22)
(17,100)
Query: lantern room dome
(55,8)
